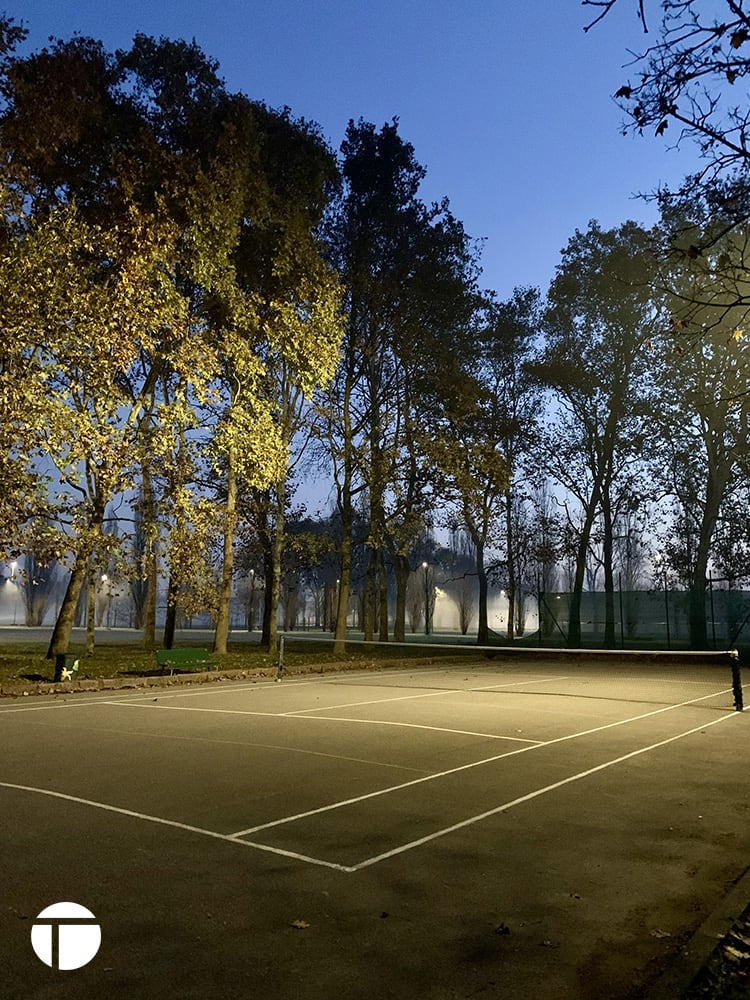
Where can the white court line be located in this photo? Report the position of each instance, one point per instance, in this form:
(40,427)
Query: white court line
(315,718)
(368,862)
(463,767)
(410,725)
(173,823)
(357,704)
(413,697)
(75,699)
(56,704)
(247,744)
(401,849)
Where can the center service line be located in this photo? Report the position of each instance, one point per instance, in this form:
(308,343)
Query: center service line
(531,795)
(463,767)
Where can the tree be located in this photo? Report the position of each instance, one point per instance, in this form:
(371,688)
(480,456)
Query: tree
(505,342)
(704,410)
(87,302)
(39,585)
(601,318)
(408,272)
(178,198)
(460,582)
(487,420)
(689,77)
(107,318)
(474,476)
(280,264)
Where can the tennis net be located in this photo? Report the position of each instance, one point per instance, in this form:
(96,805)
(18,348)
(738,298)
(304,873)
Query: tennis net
(705,679)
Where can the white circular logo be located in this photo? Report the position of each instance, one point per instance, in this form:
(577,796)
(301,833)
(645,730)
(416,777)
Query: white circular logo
(66,936)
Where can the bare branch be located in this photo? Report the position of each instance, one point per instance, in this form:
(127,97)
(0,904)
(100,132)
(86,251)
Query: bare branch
(607,6)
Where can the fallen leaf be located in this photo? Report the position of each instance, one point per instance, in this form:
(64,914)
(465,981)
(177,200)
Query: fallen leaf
(733,953)
(660,934)
(299,925)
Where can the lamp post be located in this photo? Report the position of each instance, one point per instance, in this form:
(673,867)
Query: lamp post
(13,568)
(425,567)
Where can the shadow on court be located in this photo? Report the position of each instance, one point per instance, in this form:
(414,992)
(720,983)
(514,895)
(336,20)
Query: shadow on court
(429,834)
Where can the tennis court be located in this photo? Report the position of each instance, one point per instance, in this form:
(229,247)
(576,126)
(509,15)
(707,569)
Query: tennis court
(529,827)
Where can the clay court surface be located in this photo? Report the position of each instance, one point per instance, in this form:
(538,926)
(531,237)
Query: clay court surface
(474,830)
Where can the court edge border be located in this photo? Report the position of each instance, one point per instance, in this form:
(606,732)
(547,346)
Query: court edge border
(685,966)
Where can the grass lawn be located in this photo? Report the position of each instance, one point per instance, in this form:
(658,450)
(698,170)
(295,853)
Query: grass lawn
(26,661)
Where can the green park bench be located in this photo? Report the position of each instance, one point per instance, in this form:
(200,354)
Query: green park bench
(187,658)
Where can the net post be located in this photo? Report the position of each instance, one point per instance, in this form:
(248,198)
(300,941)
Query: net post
(736,680)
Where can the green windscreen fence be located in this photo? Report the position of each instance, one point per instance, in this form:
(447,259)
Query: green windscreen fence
(644,618)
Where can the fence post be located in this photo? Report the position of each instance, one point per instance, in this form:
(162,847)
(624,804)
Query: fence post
(539,607)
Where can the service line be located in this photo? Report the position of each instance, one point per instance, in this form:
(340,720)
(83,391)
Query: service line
(464,767)
(318,718)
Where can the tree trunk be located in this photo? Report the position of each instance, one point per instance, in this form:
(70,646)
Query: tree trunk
(277,548)
(61,634)
(151,568)
(510,542)
(401,563)
(368,609)
(574,611)
(609,576)
(170,620)
(266,636)
(221,633)
(715,488)
(342,607)
(483,632)
(91,612)
(383,597)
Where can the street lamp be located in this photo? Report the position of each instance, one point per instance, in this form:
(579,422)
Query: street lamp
(13,568)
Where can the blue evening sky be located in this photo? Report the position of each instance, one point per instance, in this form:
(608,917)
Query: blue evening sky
(507,102)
